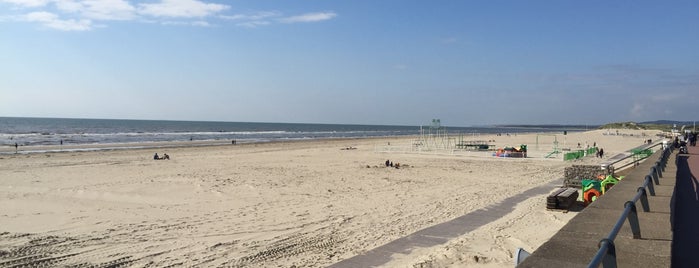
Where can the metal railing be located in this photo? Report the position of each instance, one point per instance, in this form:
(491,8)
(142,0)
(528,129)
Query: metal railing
(606,255)
(635,161)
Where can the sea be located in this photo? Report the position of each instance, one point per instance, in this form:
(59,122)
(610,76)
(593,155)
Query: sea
(54,131)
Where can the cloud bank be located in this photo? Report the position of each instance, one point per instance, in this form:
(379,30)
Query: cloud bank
(82,15)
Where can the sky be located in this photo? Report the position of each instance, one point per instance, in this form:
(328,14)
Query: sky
(384,62)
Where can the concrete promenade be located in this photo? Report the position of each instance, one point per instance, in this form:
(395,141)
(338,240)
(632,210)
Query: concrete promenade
(577,242)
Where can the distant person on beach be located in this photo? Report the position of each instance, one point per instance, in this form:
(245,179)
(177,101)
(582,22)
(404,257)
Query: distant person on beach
(16,150)
(387,162)
(165,156)
(156,157)
(601,153)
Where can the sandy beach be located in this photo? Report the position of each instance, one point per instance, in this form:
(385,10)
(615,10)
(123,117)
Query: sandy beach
(289,204)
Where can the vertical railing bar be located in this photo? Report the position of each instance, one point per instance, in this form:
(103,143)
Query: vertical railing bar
(644,199)
(633,220)
(609,260)
(649,183)
(653,173)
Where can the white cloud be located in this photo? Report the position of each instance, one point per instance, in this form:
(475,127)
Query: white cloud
(253,24)
(53,21)
(99,9)
(81,15)
(310,17)
(181,9)
(27,3)
(253,17)
(69,5)
(199,23)
(253,20)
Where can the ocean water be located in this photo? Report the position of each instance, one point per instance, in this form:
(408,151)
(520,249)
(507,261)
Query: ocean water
(51,131)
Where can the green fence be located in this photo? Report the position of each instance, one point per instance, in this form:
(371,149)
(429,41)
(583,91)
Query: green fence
(642,153)
(592,151)
(580,154)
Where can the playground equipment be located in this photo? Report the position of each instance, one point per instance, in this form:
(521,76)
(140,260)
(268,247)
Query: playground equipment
(608,182)
(520,151)
(555,145)
(433,137)
(592,189)
(472,145)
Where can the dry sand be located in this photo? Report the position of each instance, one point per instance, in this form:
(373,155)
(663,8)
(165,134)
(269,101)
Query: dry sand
(303,204)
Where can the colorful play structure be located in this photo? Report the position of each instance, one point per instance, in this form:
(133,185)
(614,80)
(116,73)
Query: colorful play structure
(594,188)
(520,151)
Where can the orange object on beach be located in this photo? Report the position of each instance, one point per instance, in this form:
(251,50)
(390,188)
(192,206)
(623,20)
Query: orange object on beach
(591,195)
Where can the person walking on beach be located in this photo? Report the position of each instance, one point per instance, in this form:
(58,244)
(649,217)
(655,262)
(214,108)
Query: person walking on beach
(16,150)
(601,153)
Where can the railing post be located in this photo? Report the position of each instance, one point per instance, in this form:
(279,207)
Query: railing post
(644,199)
(649,183)
(662,159)
(633,220)
(609,260)
(656,179)
(660,173)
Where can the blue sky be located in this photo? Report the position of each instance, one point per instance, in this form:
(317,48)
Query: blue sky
(352,62)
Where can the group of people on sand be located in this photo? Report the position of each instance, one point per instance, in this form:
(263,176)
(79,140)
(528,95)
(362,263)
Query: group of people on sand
(164,157)
(389,163)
